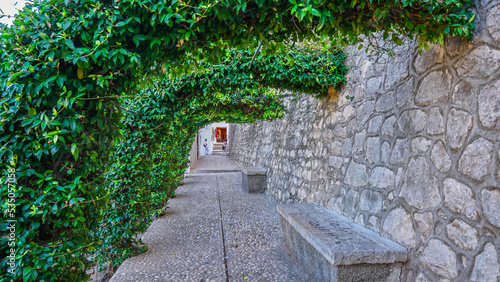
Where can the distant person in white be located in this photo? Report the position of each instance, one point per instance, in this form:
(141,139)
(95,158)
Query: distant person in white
(205,144)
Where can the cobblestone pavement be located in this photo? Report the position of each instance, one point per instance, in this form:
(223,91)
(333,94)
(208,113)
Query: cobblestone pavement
(213,232)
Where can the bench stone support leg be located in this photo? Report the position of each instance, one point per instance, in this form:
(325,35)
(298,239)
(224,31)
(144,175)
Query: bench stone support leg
(253,180)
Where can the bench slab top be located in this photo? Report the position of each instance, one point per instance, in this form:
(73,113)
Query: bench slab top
(253,171)
(339,240)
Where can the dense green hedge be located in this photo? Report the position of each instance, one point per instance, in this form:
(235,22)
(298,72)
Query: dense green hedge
(88,148)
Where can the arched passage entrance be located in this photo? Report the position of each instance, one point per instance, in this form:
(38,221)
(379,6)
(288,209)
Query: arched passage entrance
(214,135)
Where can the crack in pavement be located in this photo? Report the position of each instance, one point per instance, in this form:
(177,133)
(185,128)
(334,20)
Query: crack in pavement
(222,232)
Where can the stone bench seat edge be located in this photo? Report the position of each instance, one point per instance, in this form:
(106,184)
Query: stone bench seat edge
(253,171)
(391,251)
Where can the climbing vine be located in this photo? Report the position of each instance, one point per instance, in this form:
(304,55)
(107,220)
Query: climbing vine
(90,111)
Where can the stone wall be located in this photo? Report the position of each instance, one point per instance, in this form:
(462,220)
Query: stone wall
(414,156)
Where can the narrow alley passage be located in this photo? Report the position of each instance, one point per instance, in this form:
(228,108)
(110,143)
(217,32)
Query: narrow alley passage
(213,231)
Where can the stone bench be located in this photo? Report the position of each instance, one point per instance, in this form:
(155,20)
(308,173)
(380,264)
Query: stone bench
(328,247)
(254,179)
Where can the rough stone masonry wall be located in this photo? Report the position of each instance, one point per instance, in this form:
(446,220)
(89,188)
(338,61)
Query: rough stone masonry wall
(415,156)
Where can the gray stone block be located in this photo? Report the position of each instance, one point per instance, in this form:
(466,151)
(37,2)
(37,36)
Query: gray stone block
(254,179)
(328,247)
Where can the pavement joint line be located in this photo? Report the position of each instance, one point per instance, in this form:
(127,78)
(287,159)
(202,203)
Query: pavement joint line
(222,232)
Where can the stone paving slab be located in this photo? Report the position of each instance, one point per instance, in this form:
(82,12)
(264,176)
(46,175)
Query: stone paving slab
(254,242)
(187,243)
(213,163)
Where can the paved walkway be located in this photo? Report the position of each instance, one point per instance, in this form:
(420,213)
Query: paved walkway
(213,232)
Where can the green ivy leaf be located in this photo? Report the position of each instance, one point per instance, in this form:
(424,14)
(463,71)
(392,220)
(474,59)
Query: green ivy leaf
(74,151)
(6,35)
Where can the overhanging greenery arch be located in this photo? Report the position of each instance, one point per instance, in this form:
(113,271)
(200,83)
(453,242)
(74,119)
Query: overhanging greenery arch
(68,66)
(161,122)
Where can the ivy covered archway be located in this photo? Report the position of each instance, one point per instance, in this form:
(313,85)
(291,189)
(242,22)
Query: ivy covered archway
(88,104)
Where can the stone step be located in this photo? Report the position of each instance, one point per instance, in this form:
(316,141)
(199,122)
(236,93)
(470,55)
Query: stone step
(217,147)
(329,247)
